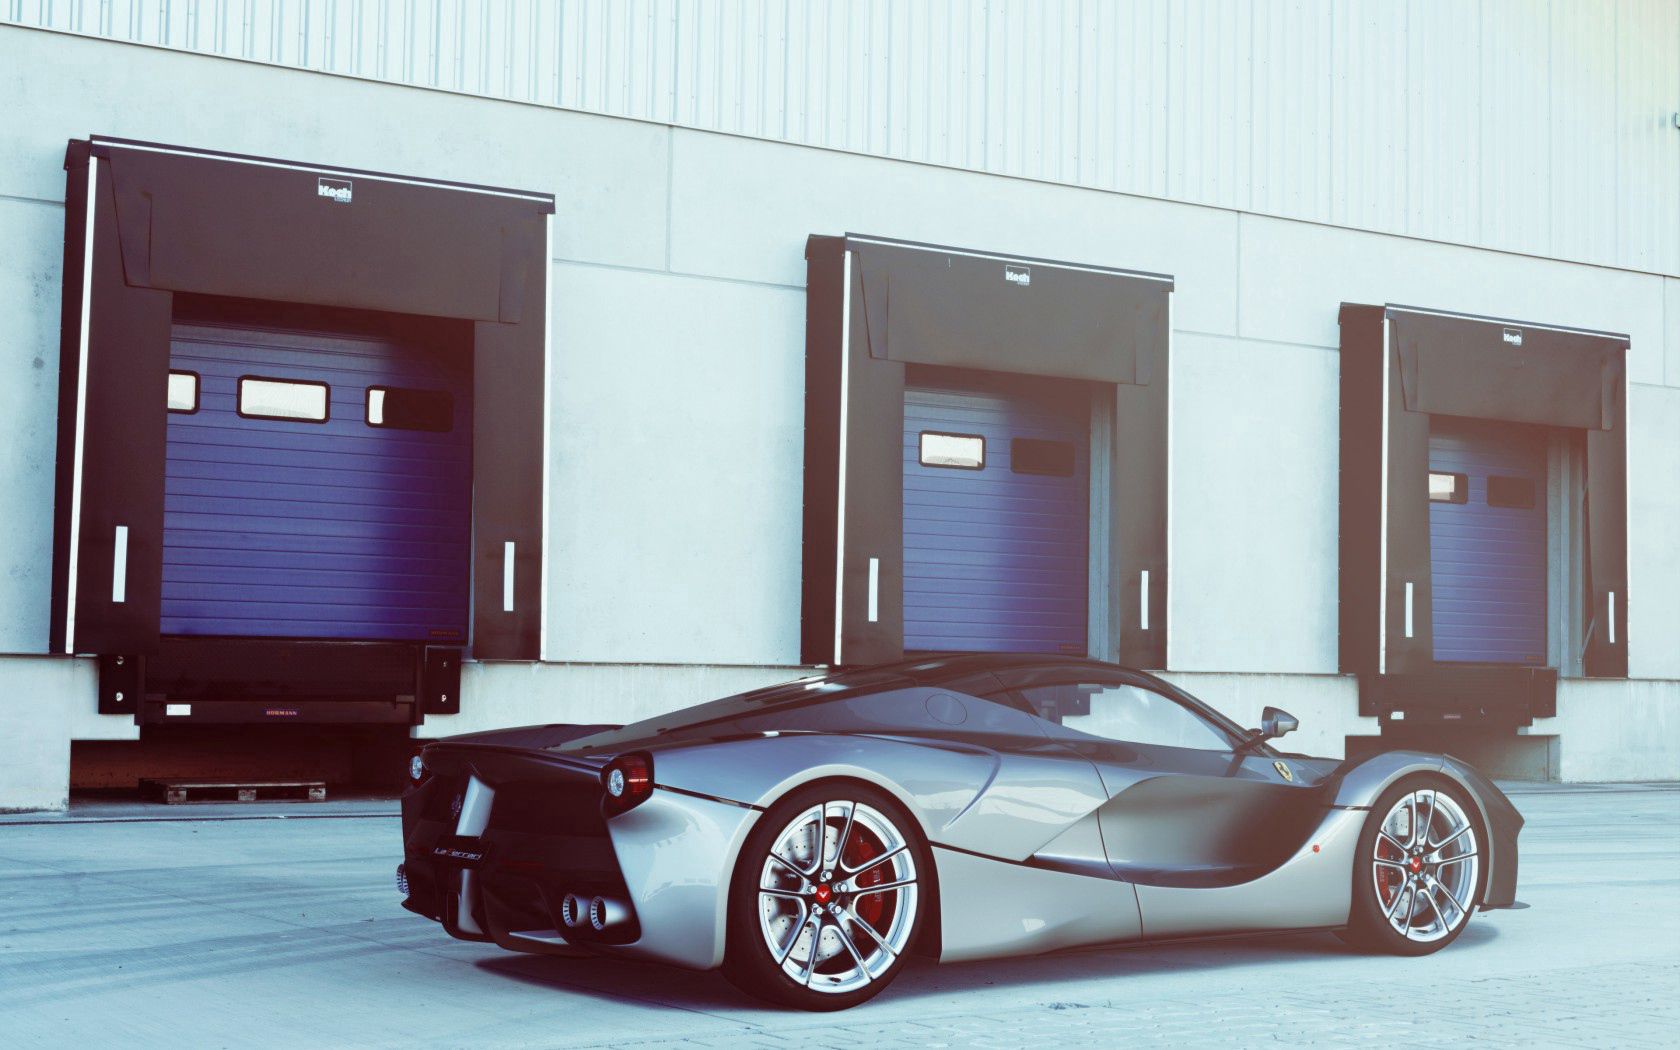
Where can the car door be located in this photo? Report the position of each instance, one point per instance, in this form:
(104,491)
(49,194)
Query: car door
(1185,806)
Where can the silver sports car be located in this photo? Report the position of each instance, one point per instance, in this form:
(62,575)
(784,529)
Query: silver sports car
(806,838)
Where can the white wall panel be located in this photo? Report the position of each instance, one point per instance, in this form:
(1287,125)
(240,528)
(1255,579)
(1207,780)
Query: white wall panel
(1254,426)
(676,494)
(1612,731)
(1653,555)
(1538,126)
(30,279)
(35,709)
(1671,312)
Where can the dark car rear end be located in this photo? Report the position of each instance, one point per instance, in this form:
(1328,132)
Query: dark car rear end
(543,837)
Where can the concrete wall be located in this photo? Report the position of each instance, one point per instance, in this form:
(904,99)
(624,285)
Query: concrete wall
(38,698)
(678,325)
(1615,730)
(678,440)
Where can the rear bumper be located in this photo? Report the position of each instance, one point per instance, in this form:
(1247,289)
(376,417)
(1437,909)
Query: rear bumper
(670,858)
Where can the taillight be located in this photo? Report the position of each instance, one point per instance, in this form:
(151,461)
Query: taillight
(628,780)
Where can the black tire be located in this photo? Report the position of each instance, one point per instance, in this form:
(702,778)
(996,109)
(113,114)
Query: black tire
(1369,928)
(748,960)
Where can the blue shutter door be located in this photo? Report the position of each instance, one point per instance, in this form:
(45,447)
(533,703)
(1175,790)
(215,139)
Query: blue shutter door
(995,560)
(293,529)
(1488,563)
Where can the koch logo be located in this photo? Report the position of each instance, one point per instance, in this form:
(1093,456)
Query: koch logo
(1020,275)
(1513,336)
(336,189)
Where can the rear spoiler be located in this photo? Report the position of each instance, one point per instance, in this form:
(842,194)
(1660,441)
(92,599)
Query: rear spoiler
(544,736)
(499,764)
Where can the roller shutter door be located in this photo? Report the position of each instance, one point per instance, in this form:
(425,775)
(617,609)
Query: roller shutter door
(1487,540)
(280,523)
(996,519)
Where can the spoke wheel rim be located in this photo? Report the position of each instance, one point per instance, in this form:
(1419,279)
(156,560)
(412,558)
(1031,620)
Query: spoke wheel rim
(837,896)
(1425,866)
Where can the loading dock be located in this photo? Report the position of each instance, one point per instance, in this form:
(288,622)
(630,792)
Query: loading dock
(302,440)
(1483,539)
(945,387)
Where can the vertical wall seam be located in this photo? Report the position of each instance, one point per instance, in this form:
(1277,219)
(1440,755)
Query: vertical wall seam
(670,192)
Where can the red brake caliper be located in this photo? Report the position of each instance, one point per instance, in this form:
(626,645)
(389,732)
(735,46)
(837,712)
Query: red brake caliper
(1389,879)
(864,849)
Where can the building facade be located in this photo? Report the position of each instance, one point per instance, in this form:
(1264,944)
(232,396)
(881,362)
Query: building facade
(448,366)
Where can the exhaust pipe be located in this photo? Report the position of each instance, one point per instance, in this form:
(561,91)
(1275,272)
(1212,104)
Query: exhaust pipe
(605,912)
(574,910)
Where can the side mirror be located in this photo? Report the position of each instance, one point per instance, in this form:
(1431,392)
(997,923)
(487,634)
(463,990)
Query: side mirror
(1274,722)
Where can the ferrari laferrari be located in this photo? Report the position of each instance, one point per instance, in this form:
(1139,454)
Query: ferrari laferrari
(809,838)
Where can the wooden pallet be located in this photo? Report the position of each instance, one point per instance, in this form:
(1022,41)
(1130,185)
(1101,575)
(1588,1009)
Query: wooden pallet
(177,792)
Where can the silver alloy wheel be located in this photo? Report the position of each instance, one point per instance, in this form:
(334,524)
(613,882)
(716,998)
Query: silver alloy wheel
(837,896)
(1425,866)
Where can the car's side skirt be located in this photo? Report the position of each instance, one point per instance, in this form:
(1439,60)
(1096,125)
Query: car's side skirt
(991,908)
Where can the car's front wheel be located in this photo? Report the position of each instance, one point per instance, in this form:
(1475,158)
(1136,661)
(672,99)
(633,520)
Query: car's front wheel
(1418,872)
(828,898)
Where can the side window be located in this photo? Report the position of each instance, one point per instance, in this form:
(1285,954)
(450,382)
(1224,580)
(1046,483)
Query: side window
(1034,456)
(1513,492)
(261,398)
(401,409)
(1447,487)
(958,451)
(183,392)
(1126,713)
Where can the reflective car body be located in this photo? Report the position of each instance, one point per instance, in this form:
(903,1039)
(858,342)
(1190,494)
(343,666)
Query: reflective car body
(1043,835)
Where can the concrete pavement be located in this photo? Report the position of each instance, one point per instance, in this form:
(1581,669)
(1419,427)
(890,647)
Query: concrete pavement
(119,928)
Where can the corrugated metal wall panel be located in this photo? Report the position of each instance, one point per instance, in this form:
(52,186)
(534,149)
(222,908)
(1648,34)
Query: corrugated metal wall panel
(1647,107)
(1583,107)
(1368,117)
(1441,150)
(1291,106)
(1540,126)
(1513,203)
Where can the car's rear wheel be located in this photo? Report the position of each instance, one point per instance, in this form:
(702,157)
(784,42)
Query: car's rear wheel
(828,898)
(1418,872)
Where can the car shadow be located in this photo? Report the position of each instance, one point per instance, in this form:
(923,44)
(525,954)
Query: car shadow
(652,984)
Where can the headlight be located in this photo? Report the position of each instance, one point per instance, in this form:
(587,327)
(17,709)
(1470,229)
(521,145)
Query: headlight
(416,767)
